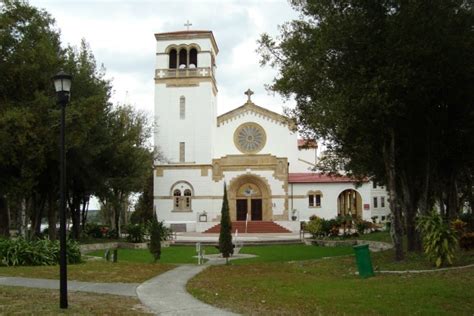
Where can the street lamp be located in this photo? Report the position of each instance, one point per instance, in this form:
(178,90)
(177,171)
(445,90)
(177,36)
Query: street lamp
(62,85)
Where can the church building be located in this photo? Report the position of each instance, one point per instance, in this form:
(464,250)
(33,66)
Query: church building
(256,152)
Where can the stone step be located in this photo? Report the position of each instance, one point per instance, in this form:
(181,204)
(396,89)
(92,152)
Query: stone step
(252,227)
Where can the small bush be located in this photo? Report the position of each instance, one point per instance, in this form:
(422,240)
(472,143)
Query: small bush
(466,241)
(459,226)
(165,232)
(468,218)
(94,231)
(362,226)
(20,252)
(111,234)
(155,238)
(439,238)
(314,226)
(136,233)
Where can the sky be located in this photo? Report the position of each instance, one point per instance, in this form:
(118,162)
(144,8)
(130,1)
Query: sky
(121,36)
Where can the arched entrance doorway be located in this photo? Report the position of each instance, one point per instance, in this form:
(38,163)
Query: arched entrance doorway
(249,199)
(349,202)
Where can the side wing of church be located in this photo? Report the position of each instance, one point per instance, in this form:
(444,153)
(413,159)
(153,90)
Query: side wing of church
(255,151)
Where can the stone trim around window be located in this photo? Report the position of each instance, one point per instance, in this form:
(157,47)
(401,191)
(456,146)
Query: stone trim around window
(314,199)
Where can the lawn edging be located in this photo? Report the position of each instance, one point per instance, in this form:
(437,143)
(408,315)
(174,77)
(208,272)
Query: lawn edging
(426,270)
(85,248)
(373,245)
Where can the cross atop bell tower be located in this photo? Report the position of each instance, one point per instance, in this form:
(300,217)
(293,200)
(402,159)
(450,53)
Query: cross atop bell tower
(187,24)
(249,94)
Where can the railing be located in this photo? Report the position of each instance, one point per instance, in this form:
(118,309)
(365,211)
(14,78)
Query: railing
(183,73)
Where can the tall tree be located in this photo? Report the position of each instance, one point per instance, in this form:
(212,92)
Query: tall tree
(30,54)
(389,85)
(127,160)
(225,236)
(144,207)
(88,117)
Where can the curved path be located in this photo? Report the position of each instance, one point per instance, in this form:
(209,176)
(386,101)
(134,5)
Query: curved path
(166,294)
(124,289)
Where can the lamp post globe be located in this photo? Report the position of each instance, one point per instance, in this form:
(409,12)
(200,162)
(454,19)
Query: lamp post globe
(62,85)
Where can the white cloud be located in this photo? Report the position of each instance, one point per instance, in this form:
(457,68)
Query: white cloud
(120,34)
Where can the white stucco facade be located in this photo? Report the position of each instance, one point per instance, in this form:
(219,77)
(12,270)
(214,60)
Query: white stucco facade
(254,151)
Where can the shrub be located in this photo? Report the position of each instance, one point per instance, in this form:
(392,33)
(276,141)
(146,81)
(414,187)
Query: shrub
(314,226)
(20,252)
(94,231)
(136,233)
(439,238)
(466,241)
(73,252)
(226,248)
(155,238)
(111,234)
(362,226)
(468,218)
(459,226)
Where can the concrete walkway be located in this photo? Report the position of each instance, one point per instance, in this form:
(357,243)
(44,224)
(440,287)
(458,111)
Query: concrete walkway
(166,294)
(124,289)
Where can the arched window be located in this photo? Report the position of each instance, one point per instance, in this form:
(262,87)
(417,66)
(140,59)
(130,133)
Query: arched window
(193,59)
(182,107)
(187,197)
(183,58)
(182,192)
(173,58)
(177,198)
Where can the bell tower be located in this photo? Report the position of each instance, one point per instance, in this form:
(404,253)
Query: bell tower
(185,96)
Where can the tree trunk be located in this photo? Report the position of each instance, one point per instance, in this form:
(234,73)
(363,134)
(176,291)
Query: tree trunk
(75,207)
(442,209)
(4,218)
(396,229)
(85,209)
(22,226)
(452,207)
(52,220)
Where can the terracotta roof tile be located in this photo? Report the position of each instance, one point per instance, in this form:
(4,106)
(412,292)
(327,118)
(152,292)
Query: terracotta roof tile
(307,143)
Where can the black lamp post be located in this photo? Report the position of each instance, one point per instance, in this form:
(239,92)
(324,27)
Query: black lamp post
(62,85)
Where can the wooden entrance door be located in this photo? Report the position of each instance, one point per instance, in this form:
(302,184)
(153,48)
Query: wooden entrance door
(241,209)
(256,209)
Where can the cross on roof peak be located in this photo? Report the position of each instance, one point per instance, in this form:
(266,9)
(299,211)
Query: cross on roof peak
(187,24)
(249,95)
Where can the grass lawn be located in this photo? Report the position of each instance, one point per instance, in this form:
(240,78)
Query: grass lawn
(273,253)
(25,301)
(93,271)
(330,287)
(377,236)
(169,255)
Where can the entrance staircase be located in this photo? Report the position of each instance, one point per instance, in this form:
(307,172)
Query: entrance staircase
(252,228)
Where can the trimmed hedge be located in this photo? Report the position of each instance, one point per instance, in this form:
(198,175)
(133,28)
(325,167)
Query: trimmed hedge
(20,252)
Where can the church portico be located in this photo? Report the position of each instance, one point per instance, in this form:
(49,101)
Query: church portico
(250,199)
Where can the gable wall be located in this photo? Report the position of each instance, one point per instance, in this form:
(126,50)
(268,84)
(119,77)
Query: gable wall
(281,142)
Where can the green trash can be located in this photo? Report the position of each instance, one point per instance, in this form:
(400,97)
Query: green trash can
(364,264)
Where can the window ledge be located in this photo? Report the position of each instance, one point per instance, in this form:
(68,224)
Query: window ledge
(182,211)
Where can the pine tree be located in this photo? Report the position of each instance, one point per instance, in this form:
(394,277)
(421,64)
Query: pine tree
(155,239)
(225,237)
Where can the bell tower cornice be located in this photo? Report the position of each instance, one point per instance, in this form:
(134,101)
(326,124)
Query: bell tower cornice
(188,35)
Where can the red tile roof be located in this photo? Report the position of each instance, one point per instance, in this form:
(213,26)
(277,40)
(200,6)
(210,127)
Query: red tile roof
(307,143)
(313,177)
